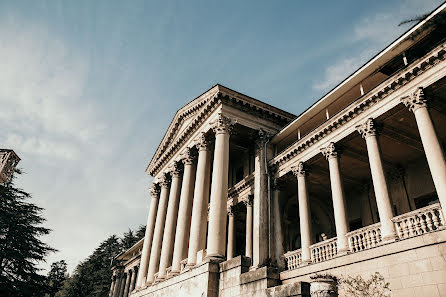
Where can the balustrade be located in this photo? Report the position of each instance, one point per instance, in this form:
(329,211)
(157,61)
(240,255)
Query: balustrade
(420,221)
(364,238)
(323,251)
(293,259)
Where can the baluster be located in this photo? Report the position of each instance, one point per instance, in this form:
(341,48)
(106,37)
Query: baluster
(405,228)
(429,221)
(423,219)
(435,219)
(417,220)
(411,227)
(369,239)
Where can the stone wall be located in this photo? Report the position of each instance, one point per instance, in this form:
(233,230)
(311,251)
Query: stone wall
(413,267)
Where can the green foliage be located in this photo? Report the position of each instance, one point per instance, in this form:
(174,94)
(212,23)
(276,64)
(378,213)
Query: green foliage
(56,277)
(376,286)
(20,246)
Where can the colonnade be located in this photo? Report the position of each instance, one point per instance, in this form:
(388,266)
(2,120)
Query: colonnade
(417,103)
(123,282)
(177,223)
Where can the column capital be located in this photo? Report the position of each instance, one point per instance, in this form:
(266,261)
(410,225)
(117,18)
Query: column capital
(415,100)
(165,180)
(189,156)
(249,200)
(222,125)
(331,151)
(368,128)
(155,191)
(231,210)
(203,142)
(177,169)
(278,184)
(261,137)
(300,170)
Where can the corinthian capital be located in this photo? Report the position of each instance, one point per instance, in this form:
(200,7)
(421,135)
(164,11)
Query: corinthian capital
(368,128)
(165,180)
(330,151)
(203,142)
(415,100)
(177,169)
(222,125)
(155,191)
(189,156)
(262,137)
(300,170)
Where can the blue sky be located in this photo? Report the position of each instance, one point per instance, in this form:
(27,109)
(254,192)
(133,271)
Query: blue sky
(88,88)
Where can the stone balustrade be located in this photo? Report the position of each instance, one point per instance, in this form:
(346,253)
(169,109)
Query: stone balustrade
(293,259)
(420,221)
(323,251)
(364,238)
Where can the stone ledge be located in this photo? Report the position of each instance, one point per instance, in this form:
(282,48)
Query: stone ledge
(242,261)
(259,274)
(289,290)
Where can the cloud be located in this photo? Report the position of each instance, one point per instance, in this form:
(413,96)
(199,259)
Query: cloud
(372,34)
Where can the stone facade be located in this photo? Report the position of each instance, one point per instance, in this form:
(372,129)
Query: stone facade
(250,200)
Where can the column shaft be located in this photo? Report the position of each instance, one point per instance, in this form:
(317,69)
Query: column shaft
(231,237)
(198,228)
(278,235)
(122,285)
(112,286)
(155,251)
(184,216)
(127,284)
(171,223)
(148,237)
(248,250)
(133,283)
(117,287)
(219,192)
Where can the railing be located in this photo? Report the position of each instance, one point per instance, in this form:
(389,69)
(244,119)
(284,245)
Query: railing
(323,251)
(364,238)
(293,259)
(420,221)
(241,185)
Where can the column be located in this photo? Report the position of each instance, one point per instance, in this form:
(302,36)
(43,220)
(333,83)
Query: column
(383,202)
(171,220)
(304,211)
(248,203)
(155,191)
(278,250)
(198,226)
(219,190)
(231,234)
(184,212)
(261,223)
(417,103)
(112,286)
(155,251)
(127,284)
(122,286)
(133,283)
(337,192)
(117,288)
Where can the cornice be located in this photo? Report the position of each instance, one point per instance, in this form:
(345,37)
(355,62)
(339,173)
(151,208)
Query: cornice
(201,111)
(360,105)
(238,188)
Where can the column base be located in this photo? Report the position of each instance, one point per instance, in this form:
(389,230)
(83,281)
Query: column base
(343,252)
(173,273)
(215,258)
(306,262)
(390,238)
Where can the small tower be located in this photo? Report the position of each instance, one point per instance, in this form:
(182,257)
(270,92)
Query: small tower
(8,162)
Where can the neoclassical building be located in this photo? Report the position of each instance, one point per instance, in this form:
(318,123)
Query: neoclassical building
(250,200)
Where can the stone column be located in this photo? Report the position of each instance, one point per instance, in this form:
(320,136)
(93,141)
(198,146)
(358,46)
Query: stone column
(184,212)
(277,186)
(337,191)
(417,103)
(383,202)
(118,281)
(122,285)
(219,190)
(171,220)
(147,246)
(260,240)
(198,227)
(112,286)
(127,284)
(304,211)
(133,282)
(231,233)
(155,251)
(248,203)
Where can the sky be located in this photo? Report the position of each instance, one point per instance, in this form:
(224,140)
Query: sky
(88,88)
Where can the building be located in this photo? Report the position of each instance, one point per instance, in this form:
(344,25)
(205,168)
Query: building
(8,163)
(250,200)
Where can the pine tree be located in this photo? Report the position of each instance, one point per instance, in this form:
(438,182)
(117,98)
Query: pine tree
(20,246)
(56,277)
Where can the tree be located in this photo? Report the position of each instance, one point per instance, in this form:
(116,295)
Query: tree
(140,232)
(128,240)
(376,286)
(56,277)
(20,246)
